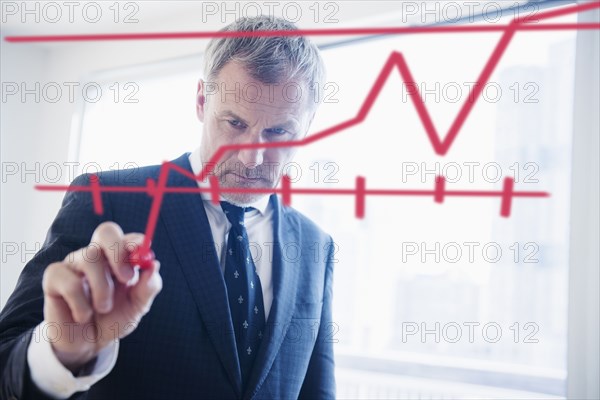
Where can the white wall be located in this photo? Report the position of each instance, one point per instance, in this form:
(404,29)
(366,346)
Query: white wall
(28,136)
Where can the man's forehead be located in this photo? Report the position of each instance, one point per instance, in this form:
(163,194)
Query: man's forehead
(270,112)
(234,84)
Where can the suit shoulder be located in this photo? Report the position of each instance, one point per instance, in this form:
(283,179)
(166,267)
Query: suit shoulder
(309,227)
(135,176)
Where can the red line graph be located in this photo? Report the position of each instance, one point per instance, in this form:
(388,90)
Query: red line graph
(158,189)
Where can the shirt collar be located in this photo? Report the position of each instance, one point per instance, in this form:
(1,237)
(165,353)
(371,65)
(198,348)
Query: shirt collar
(196,164)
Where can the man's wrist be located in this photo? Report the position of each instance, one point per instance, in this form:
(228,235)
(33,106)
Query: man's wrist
(75,363)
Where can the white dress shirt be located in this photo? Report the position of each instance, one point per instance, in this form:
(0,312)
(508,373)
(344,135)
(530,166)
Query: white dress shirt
(48,373)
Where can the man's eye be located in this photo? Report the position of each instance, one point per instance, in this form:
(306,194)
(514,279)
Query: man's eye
(277,131)
(235,123)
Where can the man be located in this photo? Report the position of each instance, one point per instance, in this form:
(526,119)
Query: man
(219,320)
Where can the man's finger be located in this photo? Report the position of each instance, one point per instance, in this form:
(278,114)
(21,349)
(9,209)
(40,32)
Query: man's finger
(91,263)
(109,236)
(60,281)
(147,287)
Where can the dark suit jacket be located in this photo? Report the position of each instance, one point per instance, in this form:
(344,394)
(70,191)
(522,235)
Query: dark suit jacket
(185,347)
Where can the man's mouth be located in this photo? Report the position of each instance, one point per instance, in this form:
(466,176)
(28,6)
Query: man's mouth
(246,179)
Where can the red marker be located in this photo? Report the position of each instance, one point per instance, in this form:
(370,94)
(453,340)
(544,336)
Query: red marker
(141,258)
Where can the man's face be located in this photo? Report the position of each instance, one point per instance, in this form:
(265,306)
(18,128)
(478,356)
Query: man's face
(235,110)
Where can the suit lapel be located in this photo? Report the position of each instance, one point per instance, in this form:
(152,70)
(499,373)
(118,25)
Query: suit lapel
(285,277)
(189,230)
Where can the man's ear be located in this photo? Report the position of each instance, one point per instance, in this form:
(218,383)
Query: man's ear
(200,100)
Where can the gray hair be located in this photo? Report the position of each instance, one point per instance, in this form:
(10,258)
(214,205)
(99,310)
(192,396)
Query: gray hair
(270,60)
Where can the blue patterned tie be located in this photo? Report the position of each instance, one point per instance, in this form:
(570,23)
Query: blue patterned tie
(243,290)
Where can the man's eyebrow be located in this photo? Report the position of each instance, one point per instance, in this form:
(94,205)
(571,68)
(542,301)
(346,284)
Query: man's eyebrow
(228,113)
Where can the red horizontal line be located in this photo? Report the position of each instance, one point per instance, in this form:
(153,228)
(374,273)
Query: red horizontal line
(299,32)
(306,191)
(158,190)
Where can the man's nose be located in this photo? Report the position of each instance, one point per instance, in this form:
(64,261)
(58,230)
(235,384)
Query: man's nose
(251,157)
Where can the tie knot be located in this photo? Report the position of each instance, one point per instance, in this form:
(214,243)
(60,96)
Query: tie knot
(234,214)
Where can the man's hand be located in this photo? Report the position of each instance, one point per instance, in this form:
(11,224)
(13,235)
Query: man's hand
(95,295)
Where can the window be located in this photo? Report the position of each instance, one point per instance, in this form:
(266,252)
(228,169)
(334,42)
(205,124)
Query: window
(447,299)
(145,115)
